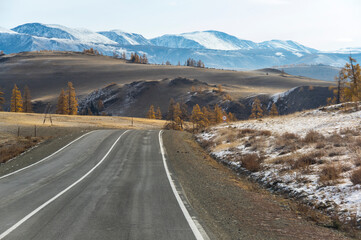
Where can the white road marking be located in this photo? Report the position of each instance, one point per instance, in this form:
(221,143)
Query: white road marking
(42,160)
(16,225)
(192,224)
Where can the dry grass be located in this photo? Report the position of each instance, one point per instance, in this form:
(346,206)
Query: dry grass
(31,119)
(305,160)
(350,132)
(313,137)
(288,135)
(330,174)
(244,132)
(16,146)
(356,177)
(336,139)
(287,142)
(251,162)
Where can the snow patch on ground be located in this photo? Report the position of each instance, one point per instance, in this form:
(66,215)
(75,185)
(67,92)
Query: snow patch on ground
(342,197)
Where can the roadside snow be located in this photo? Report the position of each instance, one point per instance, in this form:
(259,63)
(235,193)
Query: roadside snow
(228,145)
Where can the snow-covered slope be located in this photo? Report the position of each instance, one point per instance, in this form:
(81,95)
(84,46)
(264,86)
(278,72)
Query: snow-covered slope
(207,39)
(286,45)
(62,32)
(218,40)
(175,41)
(124,38)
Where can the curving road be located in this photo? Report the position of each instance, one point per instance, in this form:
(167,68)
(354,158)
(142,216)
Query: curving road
(109,184)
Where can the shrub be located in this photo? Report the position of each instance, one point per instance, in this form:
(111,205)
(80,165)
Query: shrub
(205,144)
(330,174)
(288,135)
(356,177)
(245,131)
(266,133)
(320,145)
(313,136)
(304,161)
(358,142)
(350,131)
(251,162)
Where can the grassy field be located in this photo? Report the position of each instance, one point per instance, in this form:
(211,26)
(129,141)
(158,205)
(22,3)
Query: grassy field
(21,131)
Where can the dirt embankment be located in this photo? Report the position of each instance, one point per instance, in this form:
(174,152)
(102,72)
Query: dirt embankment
(229,205)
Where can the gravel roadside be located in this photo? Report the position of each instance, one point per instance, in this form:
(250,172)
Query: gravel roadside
(230,206)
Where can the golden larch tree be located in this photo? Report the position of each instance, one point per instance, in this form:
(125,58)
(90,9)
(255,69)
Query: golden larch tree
(257,111)
(350,76)
(218,114)
(16,100)
(151,113)
(274,111)
(72,101)
(62,106)
(177,116)
(198,118)
(158,114)
(28,106)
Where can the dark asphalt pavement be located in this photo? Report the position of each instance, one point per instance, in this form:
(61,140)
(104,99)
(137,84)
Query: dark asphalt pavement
(126,196)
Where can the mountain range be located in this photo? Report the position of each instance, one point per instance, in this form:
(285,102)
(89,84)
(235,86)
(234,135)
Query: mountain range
(216,49)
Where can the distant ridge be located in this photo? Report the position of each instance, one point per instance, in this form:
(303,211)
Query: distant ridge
(216,49)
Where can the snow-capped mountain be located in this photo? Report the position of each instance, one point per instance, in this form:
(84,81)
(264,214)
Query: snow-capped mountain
(62,32)
(289,45)
(215,49)
(124,38)
(203,40)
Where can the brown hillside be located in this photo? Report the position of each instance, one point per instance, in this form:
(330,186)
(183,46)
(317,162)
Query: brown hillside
(47,72)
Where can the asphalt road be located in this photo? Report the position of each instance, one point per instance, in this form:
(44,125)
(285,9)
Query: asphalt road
(99,187)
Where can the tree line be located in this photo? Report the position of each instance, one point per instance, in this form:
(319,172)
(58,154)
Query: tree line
(18,102)
(258,112)
(67,101)
(201,118)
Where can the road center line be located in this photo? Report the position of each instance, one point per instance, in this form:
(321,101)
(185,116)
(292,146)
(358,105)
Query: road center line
(16,225)
(42,160)
(186,214)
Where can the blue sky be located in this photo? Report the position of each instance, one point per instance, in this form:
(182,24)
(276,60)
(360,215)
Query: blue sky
(321,24)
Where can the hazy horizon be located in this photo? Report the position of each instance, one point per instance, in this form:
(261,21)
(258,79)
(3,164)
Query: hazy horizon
(322,24)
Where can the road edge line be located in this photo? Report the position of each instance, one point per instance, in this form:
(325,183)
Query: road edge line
(195,229)
(24,219)
(42,160)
